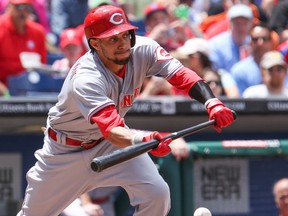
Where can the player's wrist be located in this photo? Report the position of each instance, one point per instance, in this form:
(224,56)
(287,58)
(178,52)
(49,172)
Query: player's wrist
(211,103)
(137,138)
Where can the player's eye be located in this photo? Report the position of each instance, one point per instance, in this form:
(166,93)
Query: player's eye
(113,40)
(126,35)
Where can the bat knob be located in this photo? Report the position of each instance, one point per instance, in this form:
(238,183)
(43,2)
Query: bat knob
(95,166)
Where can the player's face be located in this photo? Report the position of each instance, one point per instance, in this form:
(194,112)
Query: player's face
(115,49)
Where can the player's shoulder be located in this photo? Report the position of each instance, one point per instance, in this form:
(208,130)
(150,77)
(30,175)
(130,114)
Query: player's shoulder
(88,65)
(145,41)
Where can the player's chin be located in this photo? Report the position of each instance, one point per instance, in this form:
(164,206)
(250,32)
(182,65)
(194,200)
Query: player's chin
(122,61)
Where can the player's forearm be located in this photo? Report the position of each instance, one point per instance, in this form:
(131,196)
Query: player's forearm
(201,92)
(120,136)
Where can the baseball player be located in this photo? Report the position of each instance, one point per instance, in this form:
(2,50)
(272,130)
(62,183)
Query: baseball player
(88,120)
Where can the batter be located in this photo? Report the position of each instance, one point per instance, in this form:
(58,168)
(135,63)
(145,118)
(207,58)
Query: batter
(88,120)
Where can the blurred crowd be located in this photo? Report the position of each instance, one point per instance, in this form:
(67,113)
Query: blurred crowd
(239,47)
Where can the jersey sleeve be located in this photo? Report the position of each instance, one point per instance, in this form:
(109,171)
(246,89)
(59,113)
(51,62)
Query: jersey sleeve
(184,79)
(157,61)
(91,95)
(106,119)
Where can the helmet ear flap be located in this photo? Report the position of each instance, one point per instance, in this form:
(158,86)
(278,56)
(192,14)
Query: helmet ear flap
(133,37)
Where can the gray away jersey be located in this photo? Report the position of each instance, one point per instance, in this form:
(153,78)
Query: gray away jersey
(90,86)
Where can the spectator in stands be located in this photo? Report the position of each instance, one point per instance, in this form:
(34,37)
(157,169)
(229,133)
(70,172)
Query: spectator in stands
(134,8)
(247,71)
(230,47)
(39,13)
(283,48)
(71,46)
(283,45)
(215,7)
(280,192)
(19,34)
(170,35)
(199,9)
(279,16)
(214,81)
(216,24)
(67,14)
(191,13)
(273,70)
(267,7)
(197,52)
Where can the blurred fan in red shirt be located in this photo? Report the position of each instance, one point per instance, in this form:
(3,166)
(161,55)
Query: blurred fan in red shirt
(19,34)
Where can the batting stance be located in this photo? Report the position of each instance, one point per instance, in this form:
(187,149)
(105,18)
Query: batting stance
(87,120)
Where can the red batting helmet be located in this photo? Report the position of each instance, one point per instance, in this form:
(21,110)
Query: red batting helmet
(106,21)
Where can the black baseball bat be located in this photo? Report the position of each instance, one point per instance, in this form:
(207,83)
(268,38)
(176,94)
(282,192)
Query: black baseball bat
(105,161)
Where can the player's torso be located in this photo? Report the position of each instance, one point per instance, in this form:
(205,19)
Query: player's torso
(90,86)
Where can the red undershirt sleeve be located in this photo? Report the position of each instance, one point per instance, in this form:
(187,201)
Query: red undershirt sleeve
(106,119)
(184,79)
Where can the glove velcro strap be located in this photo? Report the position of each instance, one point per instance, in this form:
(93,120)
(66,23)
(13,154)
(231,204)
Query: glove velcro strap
(210,103)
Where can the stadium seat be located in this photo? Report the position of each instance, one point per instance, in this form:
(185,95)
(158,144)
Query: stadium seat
(52,57)
(140,23)
(35,83)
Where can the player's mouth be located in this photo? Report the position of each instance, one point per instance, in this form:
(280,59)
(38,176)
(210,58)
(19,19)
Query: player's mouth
(124,52)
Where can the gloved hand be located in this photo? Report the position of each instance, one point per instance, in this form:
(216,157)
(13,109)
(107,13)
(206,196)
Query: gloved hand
(222,115)
(163,148)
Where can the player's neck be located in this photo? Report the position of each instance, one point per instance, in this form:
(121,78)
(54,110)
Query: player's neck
(115,68)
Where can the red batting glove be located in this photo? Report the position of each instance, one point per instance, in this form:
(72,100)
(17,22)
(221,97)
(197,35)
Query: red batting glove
(163,147)
(222,115)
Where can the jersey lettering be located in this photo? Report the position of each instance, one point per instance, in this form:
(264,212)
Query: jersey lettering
(74,70)
(136,92)
(128,99)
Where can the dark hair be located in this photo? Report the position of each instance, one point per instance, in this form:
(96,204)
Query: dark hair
(217,73)
(204,59)
(149,15)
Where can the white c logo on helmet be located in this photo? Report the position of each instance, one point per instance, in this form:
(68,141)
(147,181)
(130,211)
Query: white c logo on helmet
(116,18)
